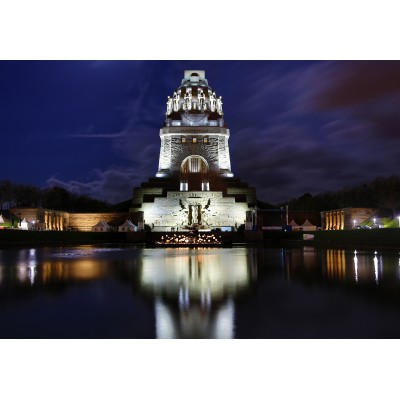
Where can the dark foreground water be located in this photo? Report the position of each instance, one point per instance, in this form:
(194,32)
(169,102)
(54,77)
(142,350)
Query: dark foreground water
(99,292)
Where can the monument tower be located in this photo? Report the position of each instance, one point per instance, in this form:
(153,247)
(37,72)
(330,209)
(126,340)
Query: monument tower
(194,186)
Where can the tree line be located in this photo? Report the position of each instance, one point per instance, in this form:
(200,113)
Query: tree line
(54,198)
(382,193)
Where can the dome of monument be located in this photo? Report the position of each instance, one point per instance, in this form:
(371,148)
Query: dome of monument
(194,103)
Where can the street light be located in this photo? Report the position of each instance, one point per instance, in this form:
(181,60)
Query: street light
(374,221)
(354,222)
(399,220)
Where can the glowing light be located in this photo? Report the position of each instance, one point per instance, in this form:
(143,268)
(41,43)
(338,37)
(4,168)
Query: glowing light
(191,238)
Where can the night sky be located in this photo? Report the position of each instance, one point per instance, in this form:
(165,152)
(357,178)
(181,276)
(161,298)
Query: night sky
(296,126)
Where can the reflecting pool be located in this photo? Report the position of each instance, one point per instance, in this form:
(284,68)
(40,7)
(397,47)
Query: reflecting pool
(135,292)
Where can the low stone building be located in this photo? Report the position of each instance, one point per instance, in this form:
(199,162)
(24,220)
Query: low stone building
(346,218)
(43,219)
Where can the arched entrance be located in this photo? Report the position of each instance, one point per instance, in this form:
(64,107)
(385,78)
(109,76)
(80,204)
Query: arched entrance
(194,173)
(194,165)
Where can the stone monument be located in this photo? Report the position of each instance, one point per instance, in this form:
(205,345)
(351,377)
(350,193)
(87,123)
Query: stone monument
(194,185)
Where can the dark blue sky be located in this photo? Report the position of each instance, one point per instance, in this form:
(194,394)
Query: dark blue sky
(296,126)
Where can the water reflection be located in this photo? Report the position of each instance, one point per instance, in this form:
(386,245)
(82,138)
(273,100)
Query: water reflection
(196,293)
(194,290)
(368,266)
(355,259)
(26,266)
(336,264)
(340,266)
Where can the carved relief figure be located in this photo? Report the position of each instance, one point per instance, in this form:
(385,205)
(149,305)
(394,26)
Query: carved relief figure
(195,214)
(183,213)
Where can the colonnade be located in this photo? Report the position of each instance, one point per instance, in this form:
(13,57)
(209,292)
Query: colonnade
(54,220)
(334,220)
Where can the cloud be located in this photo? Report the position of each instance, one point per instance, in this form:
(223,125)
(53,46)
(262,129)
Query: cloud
(323,130)
(351,83)
(113,185)
(363,93)
(295,127)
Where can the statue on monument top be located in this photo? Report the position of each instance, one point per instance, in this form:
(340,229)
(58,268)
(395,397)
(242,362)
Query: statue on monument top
(188,100)
(219,105)
(169,106)
(212,102)
(176,101)
(201,97)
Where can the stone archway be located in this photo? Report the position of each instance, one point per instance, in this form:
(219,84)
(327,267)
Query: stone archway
(194,165)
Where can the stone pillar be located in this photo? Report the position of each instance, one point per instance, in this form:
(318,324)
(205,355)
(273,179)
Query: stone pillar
(164,164)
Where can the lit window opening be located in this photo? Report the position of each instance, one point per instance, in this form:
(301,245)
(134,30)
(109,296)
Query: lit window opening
(205,186)
(183,186)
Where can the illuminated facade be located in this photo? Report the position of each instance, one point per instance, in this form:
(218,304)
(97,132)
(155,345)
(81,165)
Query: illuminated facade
(194,185)
(345,218)
(42,219)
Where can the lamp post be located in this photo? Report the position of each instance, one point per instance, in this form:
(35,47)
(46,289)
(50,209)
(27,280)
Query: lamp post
(399,220)
(354,223)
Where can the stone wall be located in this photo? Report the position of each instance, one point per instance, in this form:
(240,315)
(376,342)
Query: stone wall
(43,218)
(85,221)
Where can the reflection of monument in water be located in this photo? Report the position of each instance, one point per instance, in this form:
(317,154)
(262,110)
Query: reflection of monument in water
(30,268)
(194,185)
(194,290)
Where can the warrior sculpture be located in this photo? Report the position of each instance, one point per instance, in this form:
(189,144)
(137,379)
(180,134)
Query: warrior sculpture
(212,102)
(219,105)
(169,106)
(201,98)
(188,100)
(176,101)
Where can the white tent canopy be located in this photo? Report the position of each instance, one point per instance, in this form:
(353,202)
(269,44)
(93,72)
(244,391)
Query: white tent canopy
(127,226)
(308,226)
(24,225)
(101,226)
